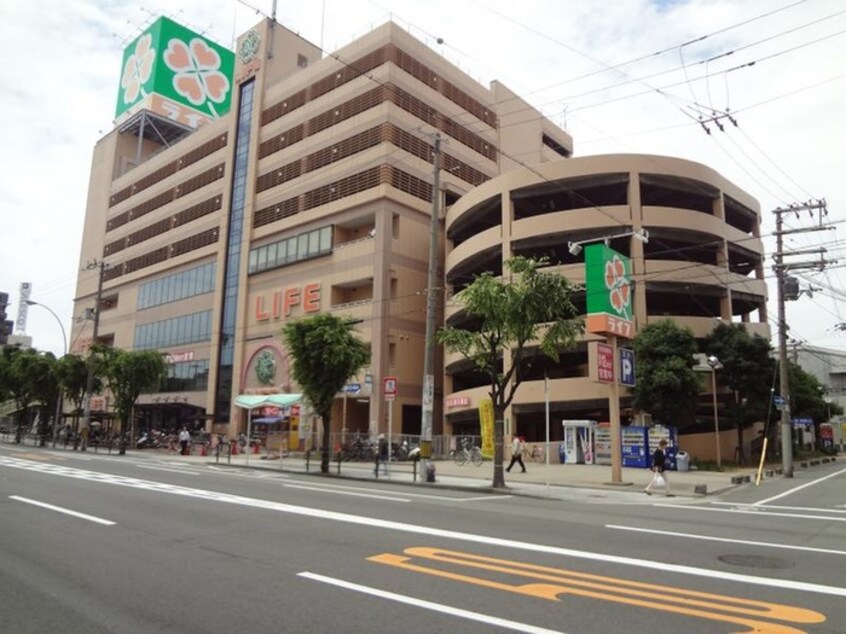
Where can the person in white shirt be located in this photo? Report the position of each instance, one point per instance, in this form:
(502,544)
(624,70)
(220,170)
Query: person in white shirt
(184,441)
(517,446)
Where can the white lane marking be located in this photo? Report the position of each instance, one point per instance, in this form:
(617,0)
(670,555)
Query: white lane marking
(800,487)
(59,509)
(405,494)
(483,498)
(775,506)
(760,511)
(167,469)
(336,492)
(725,539)
(429,605)
(414,529)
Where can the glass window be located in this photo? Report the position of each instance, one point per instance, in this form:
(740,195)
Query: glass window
(282,252)
(302,246)
(262,259)
(326,239)
(253,261)
(271,255)
(314,243)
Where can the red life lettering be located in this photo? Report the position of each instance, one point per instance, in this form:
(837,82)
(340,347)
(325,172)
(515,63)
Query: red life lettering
(292,298)
(261,313)
(311,297)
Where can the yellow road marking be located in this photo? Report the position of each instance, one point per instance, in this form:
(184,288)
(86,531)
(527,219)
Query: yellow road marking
(548,583)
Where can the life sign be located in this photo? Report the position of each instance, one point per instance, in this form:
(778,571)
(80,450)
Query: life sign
(627,367)
(609,291)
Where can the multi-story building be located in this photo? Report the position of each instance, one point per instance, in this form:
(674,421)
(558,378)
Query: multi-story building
(703,261)
(314,193)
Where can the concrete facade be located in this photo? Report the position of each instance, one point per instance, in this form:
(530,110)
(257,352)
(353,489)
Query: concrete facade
(704,261)
(312,194)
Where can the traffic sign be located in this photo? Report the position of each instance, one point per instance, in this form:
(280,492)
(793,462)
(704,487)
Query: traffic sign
(389,387)
(352,388)
(627,367)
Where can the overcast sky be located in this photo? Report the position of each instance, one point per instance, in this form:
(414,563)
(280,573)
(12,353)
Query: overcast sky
(620,76)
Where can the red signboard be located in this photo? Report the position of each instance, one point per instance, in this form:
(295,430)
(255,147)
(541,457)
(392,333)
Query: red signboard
(389,387)
(457,401)
(604,363)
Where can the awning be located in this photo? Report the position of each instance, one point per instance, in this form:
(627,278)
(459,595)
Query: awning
(252,401)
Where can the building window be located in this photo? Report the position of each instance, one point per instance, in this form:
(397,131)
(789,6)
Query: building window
(190,376)
(177,331)
(178,286)
(290,250)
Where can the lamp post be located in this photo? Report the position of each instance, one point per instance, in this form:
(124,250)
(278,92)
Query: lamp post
(714,364)
(30,302)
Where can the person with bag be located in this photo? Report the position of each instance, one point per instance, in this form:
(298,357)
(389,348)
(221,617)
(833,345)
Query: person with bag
(659,463)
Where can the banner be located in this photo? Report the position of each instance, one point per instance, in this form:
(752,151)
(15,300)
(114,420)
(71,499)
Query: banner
(486,422)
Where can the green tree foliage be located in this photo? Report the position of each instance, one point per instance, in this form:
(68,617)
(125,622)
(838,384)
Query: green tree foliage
(807,397)
(325,353)
(29,378)
(748,372)
(72,370)
(128,375)
(530,317)
(667,385)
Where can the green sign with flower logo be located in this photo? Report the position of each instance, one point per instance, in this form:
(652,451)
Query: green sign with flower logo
(176,73)
(609,290)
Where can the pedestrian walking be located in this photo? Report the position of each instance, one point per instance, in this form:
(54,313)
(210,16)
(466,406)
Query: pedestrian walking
(659,477)
(184,441)
(517,447)
(382,455)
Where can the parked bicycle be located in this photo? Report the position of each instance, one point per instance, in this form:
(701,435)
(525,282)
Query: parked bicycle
(466,452)
(535,453)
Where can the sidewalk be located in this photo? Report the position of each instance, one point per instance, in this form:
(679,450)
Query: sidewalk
(540,480)
(552,481)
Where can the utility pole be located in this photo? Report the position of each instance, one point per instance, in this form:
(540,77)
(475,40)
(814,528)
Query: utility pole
(781,269)
(431,307)
(89,380)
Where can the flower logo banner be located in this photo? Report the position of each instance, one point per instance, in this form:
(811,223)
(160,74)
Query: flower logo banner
(609,290)
(177,74)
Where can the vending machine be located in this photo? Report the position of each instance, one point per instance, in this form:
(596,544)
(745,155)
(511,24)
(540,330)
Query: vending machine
(657,433)
(578,444)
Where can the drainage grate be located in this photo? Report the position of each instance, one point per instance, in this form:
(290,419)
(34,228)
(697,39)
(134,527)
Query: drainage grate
(756,561)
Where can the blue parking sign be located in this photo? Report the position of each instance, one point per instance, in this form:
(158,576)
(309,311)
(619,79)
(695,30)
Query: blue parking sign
(627,367)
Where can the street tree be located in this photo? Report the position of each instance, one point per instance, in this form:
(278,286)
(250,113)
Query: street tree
(667,385)
(128,374)
(29,377)
(807,397)
(528,316)
(73,376)
(325,353)
(748,371)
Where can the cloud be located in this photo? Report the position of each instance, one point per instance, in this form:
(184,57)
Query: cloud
(59,95)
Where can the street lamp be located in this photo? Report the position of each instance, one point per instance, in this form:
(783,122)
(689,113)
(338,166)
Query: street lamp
(714,364)
(30,302)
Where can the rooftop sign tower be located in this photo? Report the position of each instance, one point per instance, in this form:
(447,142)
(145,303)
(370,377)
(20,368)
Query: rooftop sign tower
(175,73)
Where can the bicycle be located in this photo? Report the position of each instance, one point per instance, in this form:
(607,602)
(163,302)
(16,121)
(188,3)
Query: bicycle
(535,454)
(467,453)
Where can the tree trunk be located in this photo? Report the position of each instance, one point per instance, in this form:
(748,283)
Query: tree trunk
(498,472)
(324,445)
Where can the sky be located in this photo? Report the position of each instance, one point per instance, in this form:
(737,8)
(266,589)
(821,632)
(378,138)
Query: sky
(626,76)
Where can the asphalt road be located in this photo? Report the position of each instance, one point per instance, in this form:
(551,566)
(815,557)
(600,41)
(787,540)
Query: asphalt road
(98,543)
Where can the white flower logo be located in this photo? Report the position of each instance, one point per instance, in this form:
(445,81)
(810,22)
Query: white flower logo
(138,69)
(197,76)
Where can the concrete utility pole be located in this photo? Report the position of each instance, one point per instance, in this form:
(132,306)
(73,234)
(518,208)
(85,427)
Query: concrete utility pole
(89,380)
(431,311)
(781,270)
